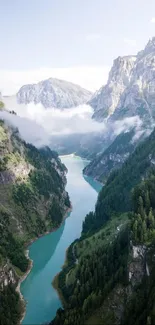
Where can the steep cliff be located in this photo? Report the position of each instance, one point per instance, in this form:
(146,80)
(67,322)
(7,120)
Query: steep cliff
(107,98)
(129,93)
(130,88)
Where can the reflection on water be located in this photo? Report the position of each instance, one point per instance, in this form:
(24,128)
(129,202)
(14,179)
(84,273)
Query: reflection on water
(42,255)
(96,185)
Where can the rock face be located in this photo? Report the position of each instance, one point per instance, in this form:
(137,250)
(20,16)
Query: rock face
(107,98)
(130,89)
(130,92)
(53,93)
(113,157)
(7,275)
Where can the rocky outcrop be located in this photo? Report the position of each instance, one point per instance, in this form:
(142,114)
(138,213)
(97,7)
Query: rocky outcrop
(53,93)
(107,98)
(114,156)
(7,276)
(130,89)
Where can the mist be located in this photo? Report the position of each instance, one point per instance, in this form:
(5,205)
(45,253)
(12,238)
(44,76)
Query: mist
(38,125)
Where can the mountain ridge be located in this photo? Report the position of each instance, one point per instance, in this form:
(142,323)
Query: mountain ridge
(54,93)
(118,99)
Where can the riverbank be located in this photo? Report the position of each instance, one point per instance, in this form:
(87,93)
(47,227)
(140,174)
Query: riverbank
(55,282)
(22,278)
(67,264)
(73,155)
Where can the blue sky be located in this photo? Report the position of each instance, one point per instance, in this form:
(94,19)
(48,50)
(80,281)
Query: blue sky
(72,39)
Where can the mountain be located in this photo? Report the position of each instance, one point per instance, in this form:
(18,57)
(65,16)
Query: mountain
(129,93)
(33,201)
(115,155)
(107,97)
(84,145)
(53,93)
(130,88)
(109,274)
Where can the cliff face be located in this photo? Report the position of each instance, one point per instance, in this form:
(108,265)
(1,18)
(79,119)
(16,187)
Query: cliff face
(129,92)
(139,97)
(130,88)
(115,155)
(107,98)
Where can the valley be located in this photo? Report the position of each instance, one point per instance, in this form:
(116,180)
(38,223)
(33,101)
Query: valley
(48,252)
(77,199)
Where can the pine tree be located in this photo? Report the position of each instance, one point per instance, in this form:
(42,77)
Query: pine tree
(144,229)
(147,201)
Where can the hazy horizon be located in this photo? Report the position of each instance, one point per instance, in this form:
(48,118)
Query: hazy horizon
(74,41)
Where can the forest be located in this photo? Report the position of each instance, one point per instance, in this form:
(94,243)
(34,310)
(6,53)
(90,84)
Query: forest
(115,196)
(97,263)
(96,275)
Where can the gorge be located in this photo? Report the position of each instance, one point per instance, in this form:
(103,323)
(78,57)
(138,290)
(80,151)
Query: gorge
(48,252)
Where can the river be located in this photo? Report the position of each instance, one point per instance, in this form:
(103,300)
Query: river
(48,252)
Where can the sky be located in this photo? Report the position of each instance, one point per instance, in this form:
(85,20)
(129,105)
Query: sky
(76,40)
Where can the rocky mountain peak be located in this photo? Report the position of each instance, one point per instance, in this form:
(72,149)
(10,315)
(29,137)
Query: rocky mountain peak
(130,88)
(121,69)
(53,93)
(105,100)
(149,48)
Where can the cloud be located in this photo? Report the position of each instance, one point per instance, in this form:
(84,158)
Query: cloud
(60,122)
(130,42)
(29,130)
(93,37)
(152,20)
(89,77)
(127,124)
(39,125)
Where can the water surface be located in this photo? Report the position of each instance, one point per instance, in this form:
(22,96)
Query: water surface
(48,252)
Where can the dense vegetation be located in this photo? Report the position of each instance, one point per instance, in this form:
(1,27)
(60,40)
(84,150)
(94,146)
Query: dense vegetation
(115,196)
(32,201)
(10,246)
(10,306)
(96,273)
(143,218)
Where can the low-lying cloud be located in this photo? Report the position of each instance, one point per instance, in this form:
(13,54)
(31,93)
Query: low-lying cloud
(29,130)
(60,122)
(38,125)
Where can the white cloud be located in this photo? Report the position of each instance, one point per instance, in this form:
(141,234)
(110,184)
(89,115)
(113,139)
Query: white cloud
(89,77)
(127,124)
(29,130)
(153,20)
(130,42)
(93,37)
(53,121)
(38,125)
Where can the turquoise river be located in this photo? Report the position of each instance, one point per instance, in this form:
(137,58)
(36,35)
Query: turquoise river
(48,252)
